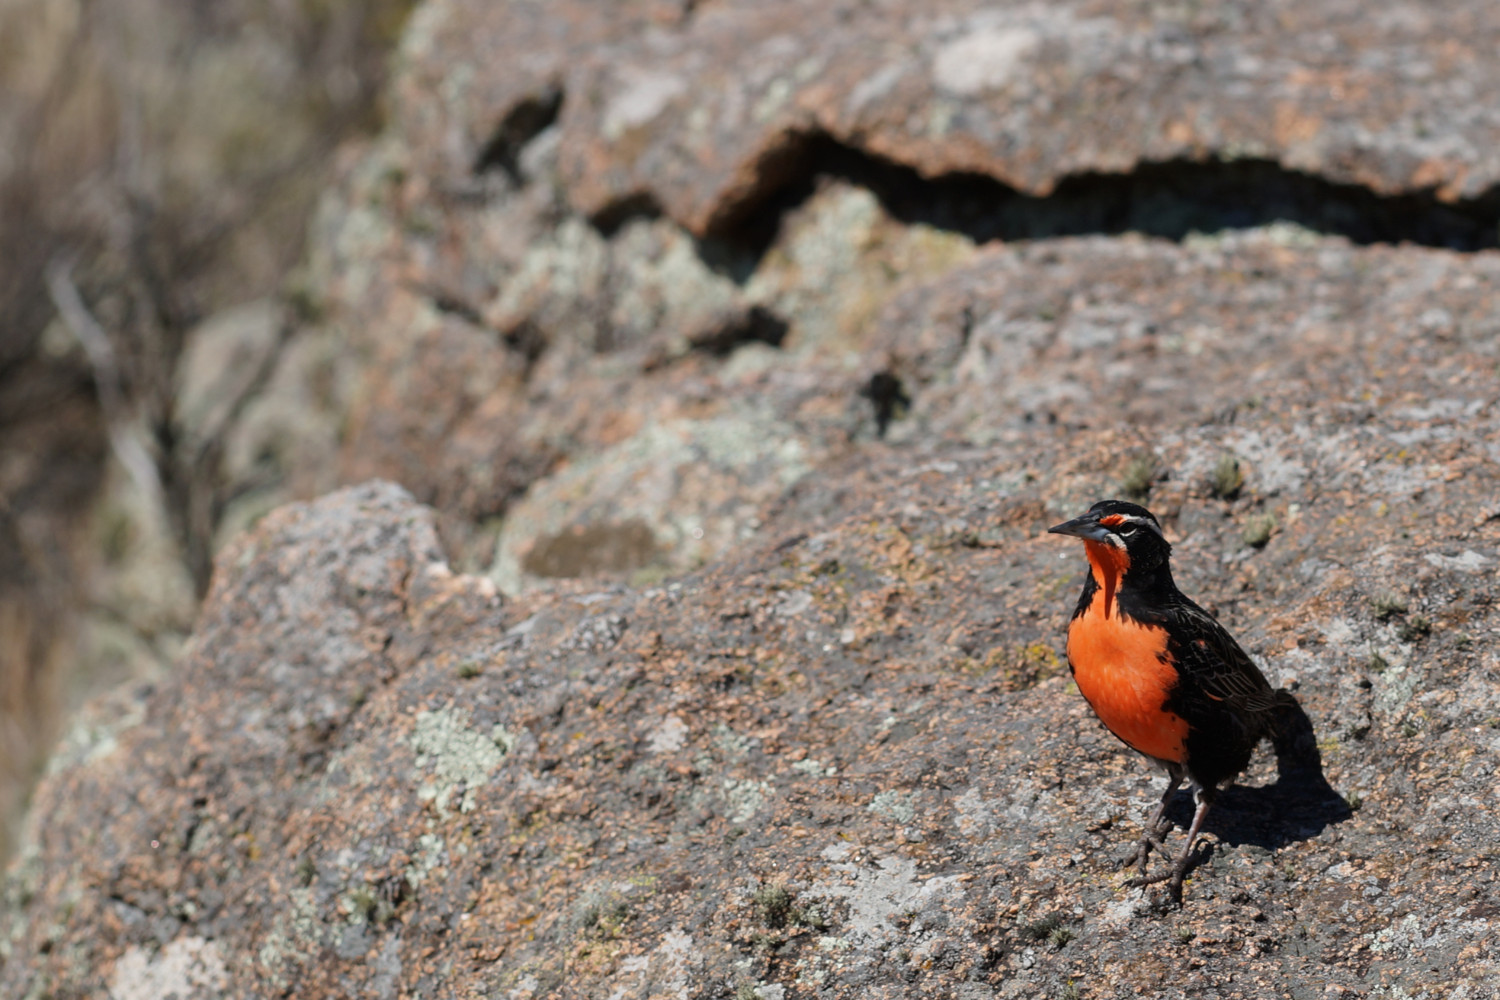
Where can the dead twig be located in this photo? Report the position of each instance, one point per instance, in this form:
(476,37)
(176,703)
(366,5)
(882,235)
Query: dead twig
(96,345)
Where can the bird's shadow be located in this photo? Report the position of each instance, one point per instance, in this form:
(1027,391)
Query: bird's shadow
(1298,806)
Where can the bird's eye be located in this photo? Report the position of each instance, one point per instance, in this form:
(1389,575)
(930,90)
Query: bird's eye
(1127,531)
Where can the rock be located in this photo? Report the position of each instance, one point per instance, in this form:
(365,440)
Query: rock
(580,231)
(751,348)
(844,760)
(1139,333)
(707,115)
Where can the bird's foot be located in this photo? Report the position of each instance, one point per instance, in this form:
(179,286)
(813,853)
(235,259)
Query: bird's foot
(1173,878)
(1151,838)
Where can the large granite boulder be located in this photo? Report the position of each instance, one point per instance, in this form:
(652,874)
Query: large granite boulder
(845,762)
(616,275)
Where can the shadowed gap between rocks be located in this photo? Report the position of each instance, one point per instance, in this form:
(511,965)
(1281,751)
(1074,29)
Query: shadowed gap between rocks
(644,206)
(756,325)
(527,120)
(887,394)
(1169,200)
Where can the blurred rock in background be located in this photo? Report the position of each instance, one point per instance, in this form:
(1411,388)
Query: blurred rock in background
(161,159)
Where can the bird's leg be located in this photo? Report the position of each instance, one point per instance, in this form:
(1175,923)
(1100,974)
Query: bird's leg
(1179,870)
(1156,827)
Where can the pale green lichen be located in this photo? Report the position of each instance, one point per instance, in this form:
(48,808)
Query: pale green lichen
(876,896)
(734,745)
(460,758)
(815,768)
(295,936)
(429,856)
(744,798)
(894,805)
(93,738)
(1395,685)
(16,893)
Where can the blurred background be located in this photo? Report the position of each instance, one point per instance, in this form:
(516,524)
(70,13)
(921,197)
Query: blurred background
(159,160)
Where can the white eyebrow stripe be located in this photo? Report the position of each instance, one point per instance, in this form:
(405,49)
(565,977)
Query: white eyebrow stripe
(1144,522)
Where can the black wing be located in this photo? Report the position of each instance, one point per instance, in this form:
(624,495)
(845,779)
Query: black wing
(1220,692)
(1212,665)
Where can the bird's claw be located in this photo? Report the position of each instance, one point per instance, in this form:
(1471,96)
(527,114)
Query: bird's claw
(1152,837)
(1173,878)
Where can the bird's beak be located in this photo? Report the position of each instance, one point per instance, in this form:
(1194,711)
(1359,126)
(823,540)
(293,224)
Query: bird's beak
(1086,527)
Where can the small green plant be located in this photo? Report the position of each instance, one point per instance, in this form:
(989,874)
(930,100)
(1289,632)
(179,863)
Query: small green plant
(307,872)
(1354,800)
(1414,628)
(1227,479)
(370,907)
(1060,936)
(602,914)
(1040,930)
(810,916)
(1184,935)
(1070,991)
(773,905)
(1386,605)
(364,902)
(1378,664)
(1258,530)
(766,942)
(469,669)
(1138,476)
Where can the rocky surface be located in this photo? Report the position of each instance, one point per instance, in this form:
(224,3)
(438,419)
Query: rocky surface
(743,352)
(846,762)
(706,110)
(622,273)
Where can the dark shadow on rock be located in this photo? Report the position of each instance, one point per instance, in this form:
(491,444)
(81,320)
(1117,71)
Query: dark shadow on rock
(1169,199)
(527,120)
(1299,805)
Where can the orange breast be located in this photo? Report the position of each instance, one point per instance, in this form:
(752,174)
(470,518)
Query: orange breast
(1123,669)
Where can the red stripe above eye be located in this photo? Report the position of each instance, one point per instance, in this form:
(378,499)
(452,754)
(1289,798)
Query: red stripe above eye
(1110,520)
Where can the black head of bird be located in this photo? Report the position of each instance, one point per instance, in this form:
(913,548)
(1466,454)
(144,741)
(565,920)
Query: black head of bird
(1122,534)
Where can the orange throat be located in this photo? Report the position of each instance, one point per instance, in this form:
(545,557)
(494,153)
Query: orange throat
(1108,564)
(1123,667)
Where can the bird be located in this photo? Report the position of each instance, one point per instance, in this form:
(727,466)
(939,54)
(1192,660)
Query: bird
(1161,673)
